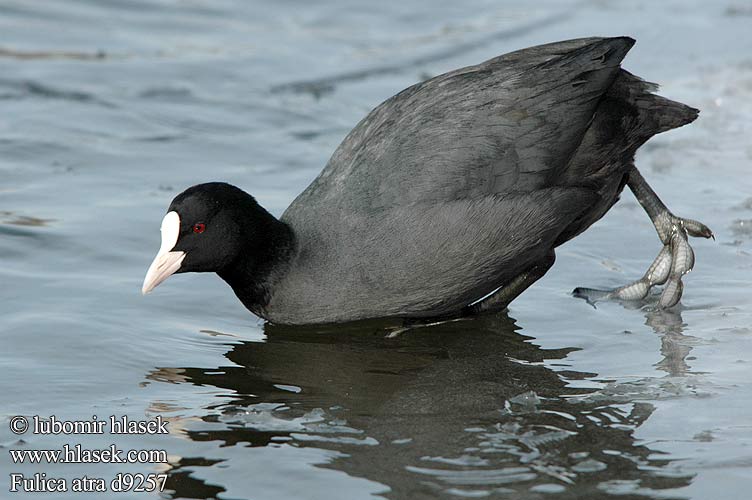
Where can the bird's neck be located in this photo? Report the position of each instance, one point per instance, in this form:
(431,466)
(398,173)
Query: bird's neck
(261,264)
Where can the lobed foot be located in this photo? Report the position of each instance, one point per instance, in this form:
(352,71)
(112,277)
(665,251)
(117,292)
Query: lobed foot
(675,259)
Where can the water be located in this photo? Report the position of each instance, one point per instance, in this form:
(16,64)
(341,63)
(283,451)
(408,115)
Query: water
(111,108)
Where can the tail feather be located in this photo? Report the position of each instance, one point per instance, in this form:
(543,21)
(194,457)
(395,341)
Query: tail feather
(670,114)
(656,114)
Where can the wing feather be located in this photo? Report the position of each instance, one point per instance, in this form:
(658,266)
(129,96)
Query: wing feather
(509,124)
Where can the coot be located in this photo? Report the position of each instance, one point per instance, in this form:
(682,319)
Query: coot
(449,198)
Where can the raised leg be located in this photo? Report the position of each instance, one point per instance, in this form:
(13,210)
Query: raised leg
(675,259)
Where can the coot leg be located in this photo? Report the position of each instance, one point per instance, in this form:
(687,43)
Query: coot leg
(675,259)
(496,302)
(500,299)
(672,231)
(657,274)
(415,323)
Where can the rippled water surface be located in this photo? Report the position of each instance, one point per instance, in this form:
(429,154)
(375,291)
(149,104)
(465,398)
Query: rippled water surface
(108,109)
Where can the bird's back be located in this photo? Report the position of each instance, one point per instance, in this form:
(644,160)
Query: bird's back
(508,124)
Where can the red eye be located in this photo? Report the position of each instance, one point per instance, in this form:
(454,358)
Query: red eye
(199,228)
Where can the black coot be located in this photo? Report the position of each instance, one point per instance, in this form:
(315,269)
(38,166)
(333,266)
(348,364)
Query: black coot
(448,198)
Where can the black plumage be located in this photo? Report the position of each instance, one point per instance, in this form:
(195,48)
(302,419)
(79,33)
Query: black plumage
(449,190)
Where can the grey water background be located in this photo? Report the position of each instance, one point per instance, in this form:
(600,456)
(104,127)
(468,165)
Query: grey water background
(110,108)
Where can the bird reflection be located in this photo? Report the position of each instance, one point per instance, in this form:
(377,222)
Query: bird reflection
(675,345)
(463,408)
(668,323)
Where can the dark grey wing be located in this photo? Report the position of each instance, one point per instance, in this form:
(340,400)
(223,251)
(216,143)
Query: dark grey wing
(508,124)
(428,259)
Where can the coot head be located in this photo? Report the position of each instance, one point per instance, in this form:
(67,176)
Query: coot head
(210,227)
